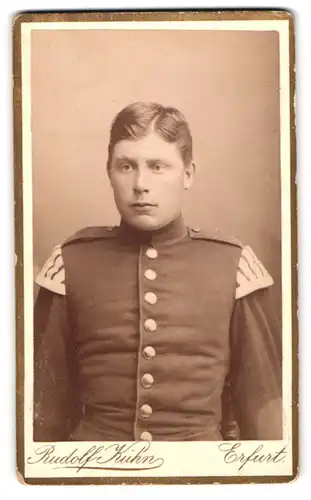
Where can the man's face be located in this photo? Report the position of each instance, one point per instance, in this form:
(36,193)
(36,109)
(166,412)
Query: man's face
(148,178)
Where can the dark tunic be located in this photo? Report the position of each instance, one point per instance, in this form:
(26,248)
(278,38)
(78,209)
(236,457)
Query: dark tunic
(152,337)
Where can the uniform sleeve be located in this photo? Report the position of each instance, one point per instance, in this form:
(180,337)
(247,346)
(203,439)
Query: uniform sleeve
(255,373)
(56,402)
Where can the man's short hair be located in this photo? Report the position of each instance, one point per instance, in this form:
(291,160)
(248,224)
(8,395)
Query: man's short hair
(139,118)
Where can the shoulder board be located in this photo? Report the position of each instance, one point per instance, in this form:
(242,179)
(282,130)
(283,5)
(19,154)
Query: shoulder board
(52,274)
(216,235)
(91,233)
(251,274)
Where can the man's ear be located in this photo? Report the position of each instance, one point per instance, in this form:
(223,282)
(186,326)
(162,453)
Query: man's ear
(189,174)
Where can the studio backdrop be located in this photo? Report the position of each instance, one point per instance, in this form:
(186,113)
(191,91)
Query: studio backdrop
(227,85)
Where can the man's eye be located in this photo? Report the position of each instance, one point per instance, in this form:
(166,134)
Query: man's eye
(126,167)
(157,167)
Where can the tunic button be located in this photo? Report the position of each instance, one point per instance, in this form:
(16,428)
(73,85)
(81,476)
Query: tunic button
(150,325)
(145,411)
(151,298)
(151,253)
(147,380)
(146,436)
(150,274)
(149,352)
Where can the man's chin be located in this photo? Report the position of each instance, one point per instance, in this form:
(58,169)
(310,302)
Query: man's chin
(145,222)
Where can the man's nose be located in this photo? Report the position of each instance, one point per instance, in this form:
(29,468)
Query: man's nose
(141,182)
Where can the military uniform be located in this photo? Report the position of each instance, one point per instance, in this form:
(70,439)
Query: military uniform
(146,336)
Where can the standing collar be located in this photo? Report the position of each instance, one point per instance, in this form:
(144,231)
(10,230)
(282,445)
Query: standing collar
(169,234)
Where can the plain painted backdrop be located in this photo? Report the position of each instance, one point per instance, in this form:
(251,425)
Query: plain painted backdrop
(227,85)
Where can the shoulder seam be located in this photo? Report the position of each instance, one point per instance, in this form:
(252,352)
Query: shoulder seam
(198,234)
(91,233)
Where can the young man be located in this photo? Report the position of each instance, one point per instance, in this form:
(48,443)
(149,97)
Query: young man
(151,330)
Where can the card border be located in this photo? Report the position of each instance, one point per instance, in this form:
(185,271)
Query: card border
(146,15)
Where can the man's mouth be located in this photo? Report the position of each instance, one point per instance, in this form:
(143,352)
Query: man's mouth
(143,204)
(143,207)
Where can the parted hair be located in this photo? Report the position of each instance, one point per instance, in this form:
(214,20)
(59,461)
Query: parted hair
(136,120)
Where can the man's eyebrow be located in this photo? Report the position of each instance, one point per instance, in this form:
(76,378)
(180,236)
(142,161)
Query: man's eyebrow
(158,160)
(150,161)
(126,158)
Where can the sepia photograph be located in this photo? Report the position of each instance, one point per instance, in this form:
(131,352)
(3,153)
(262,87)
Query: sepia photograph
(155,247)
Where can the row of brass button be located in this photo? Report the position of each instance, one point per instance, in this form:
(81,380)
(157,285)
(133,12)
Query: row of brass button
(149,352)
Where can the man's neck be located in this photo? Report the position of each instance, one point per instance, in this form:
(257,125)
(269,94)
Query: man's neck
(169,234)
